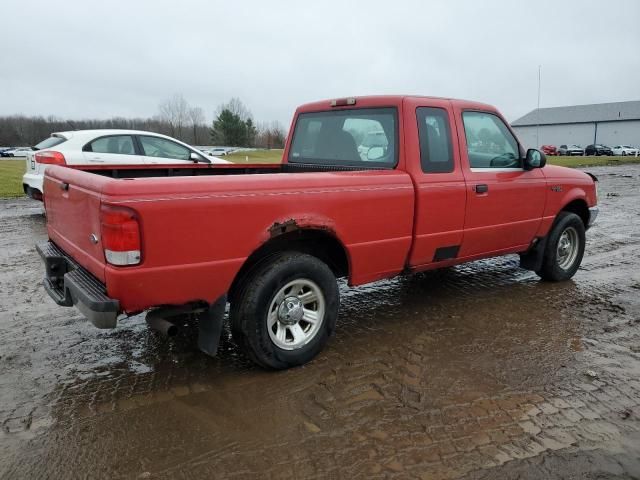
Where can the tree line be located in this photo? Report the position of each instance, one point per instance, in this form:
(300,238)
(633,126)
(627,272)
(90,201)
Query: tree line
(233,126)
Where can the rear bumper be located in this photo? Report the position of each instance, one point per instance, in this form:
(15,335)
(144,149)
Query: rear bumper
(33,180)
(68,284)
(32,185)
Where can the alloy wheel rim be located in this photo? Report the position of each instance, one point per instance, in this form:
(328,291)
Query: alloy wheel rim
(295,314)
(567,250)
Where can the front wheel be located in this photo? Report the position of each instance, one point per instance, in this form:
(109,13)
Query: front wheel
(565,248)
(286,310)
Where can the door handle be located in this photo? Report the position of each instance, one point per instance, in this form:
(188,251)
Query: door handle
(481,188)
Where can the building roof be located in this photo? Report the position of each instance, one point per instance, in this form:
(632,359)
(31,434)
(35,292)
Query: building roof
(597,112)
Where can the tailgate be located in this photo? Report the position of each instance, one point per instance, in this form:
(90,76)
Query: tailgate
(72,202)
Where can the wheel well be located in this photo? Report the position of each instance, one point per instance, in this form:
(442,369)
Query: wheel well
(580,208)
(319,243)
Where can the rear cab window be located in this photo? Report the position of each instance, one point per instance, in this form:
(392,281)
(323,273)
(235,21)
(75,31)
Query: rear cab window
(364,137)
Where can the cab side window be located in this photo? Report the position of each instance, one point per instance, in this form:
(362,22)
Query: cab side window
(490,144)
(436,152)
(117,144)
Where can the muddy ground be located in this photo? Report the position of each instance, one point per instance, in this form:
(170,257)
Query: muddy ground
(480,371)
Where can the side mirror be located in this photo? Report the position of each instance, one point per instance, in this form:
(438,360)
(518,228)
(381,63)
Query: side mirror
(375,153)
(195,157)
(534,159)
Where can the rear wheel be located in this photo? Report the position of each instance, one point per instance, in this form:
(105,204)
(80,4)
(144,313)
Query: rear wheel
(565,248)
(286,310)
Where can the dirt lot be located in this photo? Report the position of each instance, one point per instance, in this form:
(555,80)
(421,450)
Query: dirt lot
(480,371)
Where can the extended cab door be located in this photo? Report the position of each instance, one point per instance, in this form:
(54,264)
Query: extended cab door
(505,203)
(433,161)
(111,149)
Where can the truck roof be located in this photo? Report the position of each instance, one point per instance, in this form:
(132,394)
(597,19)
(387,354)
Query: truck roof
(392,100)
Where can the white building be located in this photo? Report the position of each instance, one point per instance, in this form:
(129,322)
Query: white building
(608,123)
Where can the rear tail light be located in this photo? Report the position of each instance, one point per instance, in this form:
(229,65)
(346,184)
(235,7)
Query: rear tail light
(120,232)
(50,157)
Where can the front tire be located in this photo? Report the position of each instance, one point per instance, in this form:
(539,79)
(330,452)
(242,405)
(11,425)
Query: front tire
(286,310)
(565,248)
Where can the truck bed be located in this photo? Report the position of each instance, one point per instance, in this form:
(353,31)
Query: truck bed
(198,229)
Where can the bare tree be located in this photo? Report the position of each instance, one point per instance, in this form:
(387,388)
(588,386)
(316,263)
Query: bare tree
(196,119)
(236,107)
(174,111)
(271,135)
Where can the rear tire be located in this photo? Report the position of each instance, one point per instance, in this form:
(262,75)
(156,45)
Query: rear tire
(286,310)
(565,248)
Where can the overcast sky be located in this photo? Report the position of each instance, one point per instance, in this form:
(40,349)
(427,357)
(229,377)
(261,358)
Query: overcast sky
(90,59)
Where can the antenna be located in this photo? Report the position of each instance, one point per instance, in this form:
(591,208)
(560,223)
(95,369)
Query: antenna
(538,110)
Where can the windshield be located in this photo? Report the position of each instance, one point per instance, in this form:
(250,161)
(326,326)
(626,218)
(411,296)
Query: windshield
(358,137)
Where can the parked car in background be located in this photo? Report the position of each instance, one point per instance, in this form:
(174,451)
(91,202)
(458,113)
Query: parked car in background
(597,150)
(22,152)
(625,150)
(549,149)
(105,147)
(5,149)
(16,152)
(218,151)
(570,150)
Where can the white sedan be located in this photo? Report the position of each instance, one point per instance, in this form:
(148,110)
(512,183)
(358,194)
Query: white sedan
(17,152)
(105,147)
(625,150)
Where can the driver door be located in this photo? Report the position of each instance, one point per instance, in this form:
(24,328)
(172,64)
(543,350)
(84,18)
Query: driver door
(163,151)
(505,203)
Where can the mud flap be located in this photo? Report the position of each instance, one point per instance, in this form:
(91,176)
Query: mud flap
(532,258)
(210,326)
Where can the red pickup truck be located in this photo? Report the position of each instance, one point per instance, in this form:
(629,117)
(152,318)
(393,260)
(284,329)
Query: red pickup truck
(369,188)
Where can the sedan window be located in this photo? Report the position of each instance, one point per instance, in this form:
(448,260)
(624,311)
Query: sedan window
(163,148)
(117,144)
